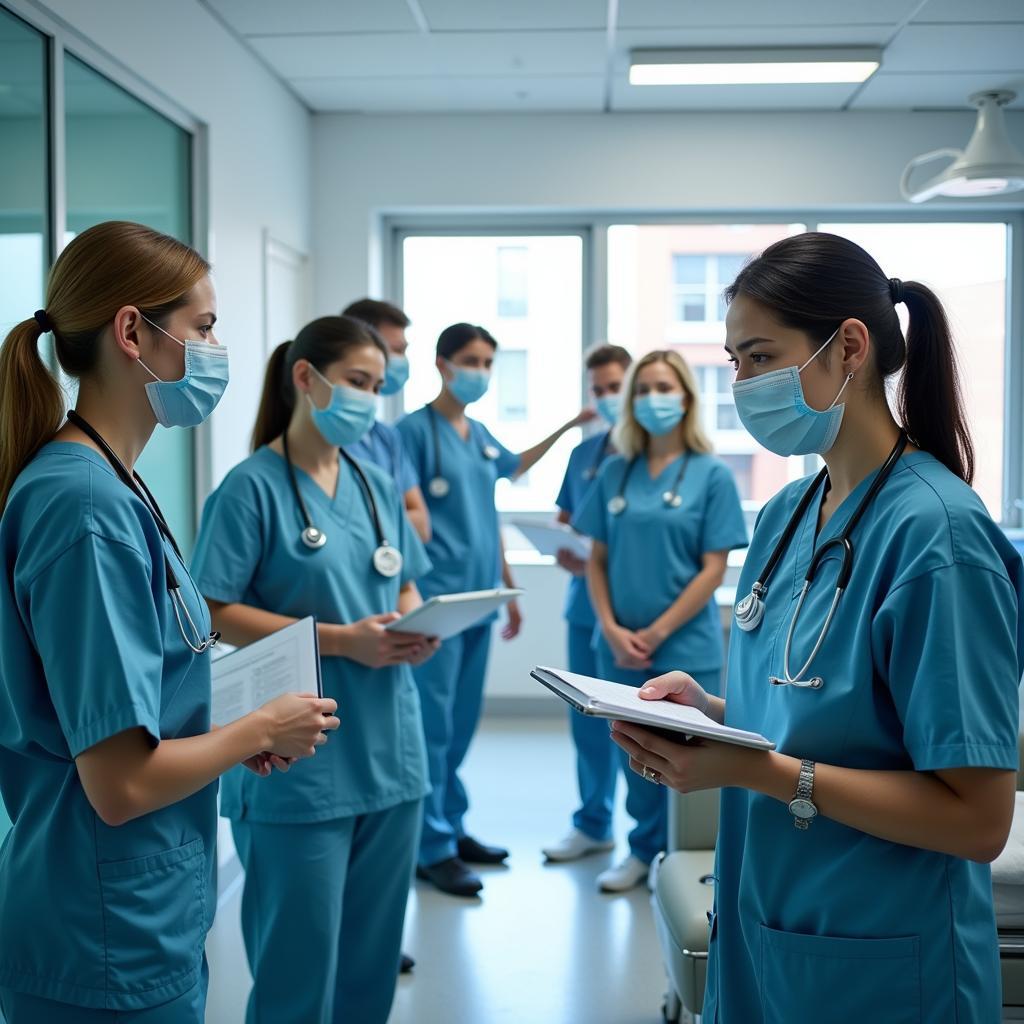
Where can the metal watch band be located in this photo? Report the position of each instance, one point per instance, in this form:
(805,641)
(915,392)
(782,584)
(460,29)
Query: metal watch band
(805,784)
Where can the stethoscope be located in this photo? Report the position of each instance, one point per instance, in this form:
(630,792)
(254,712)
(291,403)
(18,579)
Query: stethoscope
(671,498)
(590,473)
(387,559)
(750,611)
(438,486)
(196,643)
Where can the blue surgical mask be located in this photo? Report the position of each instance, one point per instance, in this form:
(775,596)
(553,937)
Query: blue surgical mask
(658,414)
(773,409)
(187,402)
(349,414)
(608,408)
(395,375)
(468,385)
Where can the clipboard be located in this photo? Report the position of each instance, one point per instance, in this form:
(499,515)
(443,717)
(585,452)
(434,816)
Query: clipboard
(285,661)
(448,615)
(550,538)
(605,699)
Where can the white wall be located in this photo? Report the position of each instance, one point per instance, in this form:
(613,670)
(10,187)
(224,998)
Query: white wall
(259,165)
(685,162)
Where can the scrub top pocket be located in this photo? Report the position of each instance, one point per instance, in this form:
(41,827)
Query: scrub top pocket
(154,918)
(818,979)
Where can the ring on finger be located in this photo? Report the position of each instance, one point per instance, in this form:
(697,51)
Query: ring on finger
(651,775)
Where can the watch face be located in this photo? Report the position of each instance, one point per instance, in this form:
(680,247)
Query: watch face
(801,808)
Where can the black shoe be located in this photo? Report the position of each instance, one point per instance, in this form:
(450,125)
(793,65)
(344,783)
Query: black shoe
(451,876)
(407,964)
(474,852)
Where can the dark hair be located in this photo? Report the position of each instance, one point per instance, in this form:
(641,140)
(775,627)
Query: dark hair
(458,336)
(605,355)
(107,266)
(814,281)
(321,342)
(376,312)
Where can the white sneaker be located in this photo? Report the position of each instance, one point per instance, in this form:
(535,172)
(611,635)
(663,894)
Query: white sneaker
(624,876)
(575,844)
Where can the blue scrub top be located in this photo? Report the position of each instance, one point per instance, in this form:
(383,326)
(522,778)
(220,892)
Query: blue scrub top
(101,917)
(465,543)
(655,551)
(920,669)
(382,445)
(249,551)
(585,461)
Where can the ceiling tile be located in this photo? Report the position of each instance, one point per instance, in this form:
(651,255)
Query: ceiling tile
(406,56)
(501,15)
(457,95)
(737,13)
(974,10)
(963,48)
(262,17)
(945,90)
(733,97)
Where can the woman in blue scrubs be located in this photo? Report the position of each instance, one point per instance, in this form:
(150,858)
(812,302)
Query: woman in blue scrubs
(302,528)
(459,460)
(597,760)
(852,874)
(108,766)
(663,515)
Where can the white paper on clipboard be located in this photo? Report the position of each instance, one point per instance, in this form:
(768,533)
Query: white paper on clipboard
(287,661)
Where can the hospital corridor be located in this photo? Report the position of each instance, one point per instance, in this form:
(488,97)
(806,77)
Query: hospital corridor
(511,512)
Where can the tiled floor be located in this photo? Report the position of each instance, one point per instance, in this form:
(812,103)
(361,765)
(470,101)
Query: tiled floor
(541,947)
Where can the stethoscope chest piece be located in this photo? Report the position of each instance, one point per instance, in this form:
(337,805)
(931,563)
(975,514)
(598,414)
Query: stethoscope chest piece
(671,499)
(749,612)
(439,487)
(490,452)
(387,560)
(617,505)
(313,538)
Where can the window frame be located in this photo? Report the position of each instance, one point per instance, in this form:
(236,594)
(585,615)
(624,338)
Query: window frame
(61,39)
(392,227)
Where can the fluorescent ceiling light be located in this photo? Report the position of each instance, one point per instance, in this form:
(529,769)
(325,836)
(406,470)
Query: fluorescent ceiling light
(990,165)
(753,67)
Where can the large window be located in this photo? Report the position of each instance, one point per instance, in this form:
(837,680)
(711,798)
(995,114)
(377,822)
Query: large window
(154,188)
(533,306)
(966,265)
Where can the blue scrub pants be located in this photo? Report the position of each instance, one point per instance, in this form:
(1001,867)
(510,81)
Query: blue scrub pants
(188,1008)
(646,802)
(597,760)
(322,915)
(451,686)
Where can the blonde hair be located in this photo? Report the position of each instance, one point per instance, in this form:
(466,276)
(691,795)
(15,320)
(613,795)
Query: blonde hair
(630,438)
(108,266)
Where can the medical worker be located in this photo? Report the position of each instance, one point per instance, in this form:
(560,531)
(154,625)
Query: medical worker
(301,528)
(460,461)
(382,443)
(852,874)
(108,765)
(663,516)
(597,759)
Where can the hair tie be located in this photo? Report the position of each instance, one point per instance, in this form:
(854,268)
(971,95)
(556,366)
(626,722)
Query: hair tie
(897,291)
(45,323)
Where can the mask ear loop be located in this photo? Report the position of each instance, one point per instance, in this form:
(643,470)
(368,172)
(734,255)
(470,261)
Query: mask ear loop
(849,376)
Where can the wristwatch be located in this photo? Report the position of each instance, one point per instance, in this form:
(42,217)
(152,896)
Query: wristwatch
(802,806)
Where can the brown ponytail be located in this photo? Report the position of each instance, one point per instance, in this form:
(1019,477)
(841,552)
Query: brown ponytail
(321,342)
(103,269)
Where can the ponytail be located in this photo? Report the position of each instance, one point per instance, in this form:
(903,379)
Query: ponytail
(276,401)
(31,403)
(321,342)
(930,400)
(814,281)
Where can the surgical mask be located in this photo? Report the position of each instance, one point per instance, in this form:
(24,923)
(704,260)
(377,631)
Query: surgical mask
(468,385)
(773,409)
(658,414)
(349,414)
(395,376)
(189,401)
(608,408)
